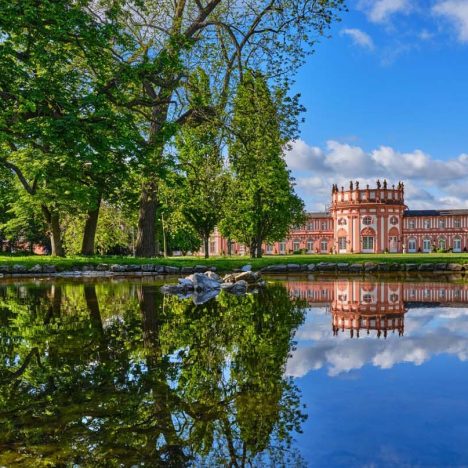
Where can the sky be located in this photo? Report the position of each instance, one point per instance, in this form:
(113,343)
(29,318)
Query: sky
(387,97)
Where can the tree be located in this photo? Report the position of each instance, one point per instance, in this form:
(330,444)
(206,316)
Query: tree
(58,134)
(203,182)
(262,203)
(168,40)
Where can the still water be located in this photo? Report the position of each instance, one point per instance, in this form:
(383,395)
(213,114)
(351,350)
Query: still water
(307,372)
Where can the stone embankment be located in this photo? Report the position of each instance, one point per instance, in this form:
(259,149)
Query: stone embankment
(104,269)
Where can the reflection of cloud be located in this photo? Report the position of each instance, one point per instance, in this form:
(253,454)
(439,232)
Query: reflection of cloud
(428,332)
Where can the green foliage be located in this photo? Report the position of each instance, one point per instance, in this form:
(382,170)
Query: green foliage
(262,204)
(114,231)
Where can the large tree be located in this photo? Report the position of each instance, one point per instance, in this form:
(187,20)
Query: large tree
(262,204)
(62,138)
(168,40)
(202,187)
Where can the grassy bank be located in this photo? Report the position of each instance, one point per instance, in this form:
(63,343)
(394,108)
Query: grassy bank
(230,263)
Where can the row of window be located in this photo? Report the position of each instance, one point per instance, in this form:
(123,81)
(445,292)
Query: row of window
(428,244)
(297,246)
(429,223)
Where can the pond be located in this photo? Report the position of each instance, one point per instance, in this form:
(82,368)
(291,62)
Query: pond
(306,372)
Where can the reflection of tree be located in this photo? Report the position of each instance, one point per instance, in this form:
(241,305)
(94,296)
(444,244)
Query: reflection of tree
(121,376)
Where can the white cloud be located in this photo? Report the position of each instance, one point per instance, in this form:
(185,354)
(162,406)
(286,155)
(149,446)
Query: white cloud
(455,11)
(380,11)
(359,38)
(430,182)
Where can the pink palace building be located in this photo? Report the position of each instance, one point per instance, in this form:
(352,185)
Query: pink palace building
(368,220)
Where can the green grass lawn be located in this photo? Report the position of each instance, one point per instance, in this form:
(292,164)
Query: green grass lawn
(229,263)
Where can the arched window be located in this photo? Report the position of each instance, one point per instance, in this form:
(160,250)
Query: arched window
(296,245)
(324,245)
(393,220)
(310,245)
(412,245)
(457,246)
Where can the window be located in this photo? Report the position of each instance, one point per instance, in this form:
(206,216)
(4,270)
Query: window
(411,223)
(412,245)
(457,222)
(367,298)
(296,245)
(269,249)
(442,244)
(342,221)
(393,220)
(310,227)
(457,244)
(310,246)
(212,247)
(342,243)
(324,226)
(393,297)
(282,247)
(427,245)
(368,243)
(442,223)
(427,223)
(367,220)
(324,245)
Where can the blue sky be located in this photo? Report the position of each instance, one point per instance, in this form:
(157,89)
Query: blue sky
(387,96)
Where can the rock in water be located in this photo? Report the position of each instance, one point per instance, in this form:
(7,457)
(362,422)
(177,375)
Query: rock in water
(214,276)
(201,282)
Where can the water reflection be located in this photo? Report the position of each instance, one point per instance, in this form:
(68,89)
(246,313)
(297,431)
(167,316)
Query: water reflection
(433,316)
(115,374)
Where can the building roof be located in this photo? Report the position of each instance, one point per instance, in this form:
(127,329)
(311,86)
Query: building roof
(435,212)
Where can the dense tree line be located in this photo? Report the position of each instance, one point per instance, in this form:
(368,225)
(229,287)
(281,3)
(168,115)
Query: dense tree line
(141,125)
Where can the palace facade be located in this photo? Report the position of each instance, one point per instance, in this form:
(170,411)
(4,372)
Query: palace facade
(368,220)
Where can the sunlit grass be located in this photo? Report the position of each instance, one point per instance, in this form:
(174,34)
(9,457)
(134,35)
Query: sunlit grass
(228,263)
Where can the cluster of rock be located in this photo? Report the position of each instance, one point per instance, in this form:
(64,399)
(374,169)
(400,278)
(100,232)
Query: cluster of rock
(204,286)
(102,269)
(367,267)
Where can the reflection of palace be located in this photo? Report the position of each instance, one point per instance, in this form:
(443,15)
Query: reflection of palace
(369,220)
(363,306)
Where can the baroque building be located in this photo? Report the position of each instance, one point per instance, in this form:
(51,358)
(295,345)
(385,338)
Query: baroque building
(368,220)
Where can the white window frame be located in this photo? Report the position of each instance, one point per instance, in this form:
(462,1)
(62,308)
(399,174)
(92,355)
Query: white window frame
(323,243)
(427,242)
(412,245)
(457,240)
(368,243)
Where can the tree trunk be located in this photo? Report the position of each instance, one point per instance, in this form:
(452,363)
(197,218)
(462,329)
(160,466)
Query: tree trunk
(253,248)
(229,247)
(53,223)
(89,234)
(259,247)
(206,242)
(146,242)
